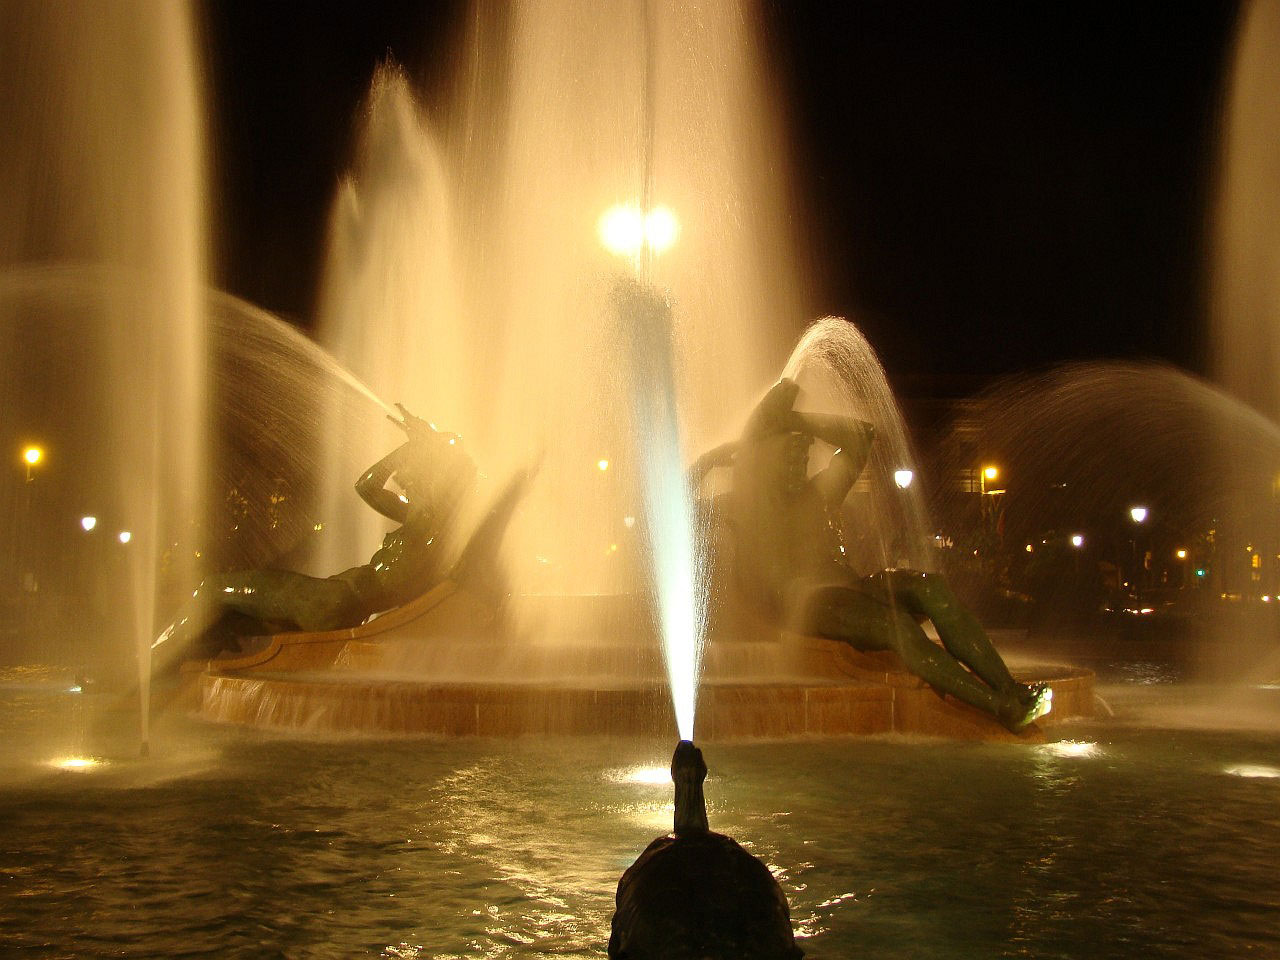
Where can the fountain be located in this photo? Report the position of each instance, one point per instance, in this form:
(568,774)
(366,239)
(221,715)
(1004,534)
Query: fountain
(337,838)
(104,173)
(461,280)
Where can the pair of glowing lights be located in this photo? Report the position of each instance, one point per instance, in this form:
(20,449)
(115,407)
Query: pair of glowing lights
(626,230)
(90,523)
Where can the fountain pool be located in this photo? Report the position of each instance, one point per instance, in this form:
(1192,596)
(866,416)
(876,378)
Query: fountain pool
(1128,839)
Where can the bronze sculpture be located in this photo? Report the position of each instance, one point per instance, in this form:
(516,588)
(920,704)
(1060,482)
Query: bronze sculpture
(435,474)
(788,556)
(696,894)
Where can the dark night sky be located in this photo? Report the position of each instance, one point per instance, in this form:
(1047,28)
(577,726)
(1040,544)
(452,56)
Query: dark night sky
(991,186)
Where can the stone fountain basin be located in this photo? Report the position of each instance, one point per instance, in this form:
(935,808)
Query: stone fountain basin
(441,666)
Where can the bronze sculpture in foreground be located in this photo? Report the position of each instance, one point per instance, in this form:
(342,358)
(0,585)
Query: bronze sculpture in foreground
(696,894)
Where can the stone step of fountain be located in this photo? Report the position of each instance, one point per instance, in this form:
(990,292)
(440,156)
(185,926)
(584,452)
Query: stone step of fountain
(335,704)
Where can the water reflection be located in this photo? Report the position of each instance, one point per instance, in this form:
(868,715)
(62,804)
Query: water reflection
(1071,748)
(1253,771)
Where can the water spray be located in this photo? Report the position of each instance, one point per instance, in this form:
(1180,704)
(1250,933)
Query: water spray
(676,563)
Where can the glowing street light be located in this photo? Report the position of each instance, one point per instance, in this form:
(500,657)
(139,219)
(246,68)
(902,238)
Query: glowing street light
(625,229)
(1138,514)
(1077,540)
(124,536)
(621,230)
(1180,553)
(602,465)
(88,523)
(661,229)
(987,477)
(31,456)
(903,478)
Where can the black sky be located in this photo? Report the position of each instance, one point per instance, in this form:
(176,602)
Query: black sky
(990,186)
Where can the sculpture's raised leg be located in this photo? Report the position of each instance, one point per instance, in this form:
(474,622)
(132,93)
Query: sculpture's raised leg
(867,622)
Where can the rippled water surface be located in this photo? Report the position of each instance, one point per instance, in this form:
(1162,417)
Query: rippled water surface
(1127,841)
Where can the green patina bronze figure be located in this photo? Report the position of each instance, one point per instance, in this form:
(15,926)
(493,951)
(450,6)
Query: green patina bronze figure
(435,475)
(788,555)
(696,894)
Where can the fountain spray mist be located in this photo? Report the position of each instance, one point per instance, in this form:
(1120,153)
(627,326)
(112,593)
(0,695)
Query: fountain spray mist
(676,567)
(102,167)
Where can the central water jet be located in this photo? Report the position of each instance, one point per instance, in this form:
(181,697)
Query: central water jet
(676,562)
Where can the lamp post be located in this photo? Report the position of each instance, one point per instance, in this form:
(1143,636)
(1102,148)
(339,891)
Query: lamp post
(1138,514)
(32,456)
(988,474)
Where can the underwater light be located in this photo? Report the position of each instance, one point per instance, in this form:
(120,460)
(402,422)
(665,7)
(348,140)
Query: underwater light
(1072,748)
(75,763)
(1253,771)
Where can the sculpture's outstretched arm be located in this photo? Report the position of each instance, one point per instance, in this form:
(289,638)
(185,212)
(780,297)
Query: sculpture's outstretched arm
(852,438)
(721,456)
(372,487)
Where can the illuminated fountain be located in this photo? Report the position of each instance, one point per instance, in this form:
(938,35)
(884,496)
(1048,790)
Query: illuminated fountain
(512,847)
(596,277)
(102,274)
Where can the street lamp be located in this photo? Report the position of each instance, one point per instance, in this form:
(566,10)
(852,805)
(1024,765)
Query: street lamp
(1077,540)
(31,456)
(88,523)
(903,478)
(626,230)
(1138,514)
(987,477)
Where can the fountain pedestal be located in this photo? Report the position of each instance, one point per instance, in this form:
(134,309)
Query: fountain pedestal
(442,666)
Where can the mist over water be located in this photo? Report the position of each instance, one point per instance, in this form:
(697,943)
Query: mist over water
(559,112)
(389,304)
(103,163)
(1245,287)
